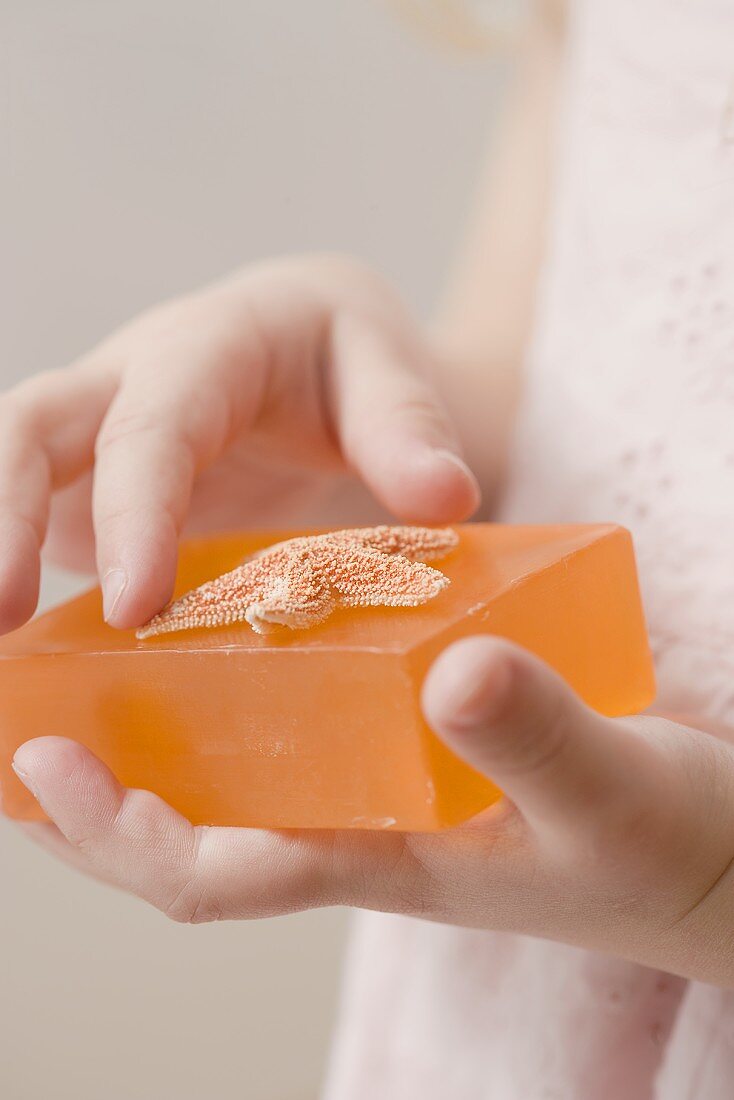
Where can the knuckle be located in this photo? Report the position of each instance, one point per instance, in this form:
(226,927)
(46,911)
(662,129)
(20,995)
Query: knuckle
(207,910)
(193,901)
(138,808)
(341,268)
(187,905)
(163,321)
(39,384)
(624,837)
(351,276)
(654,728)
(530,747)
(32,405)
(177,436)
(18,417)
(122,427)
(387,876)
(116,520)
(140,818)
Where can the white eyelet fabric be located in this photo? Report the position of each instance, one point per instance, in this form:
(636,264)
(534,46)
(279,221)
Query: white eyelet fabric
(628,416)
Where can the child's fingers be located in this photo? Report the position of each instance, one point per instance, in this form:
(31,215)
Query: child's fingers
(516,721)
(174,414)
(70,535)
(393,430)
(47,431)
(25,490)
(133,839)
(49,837)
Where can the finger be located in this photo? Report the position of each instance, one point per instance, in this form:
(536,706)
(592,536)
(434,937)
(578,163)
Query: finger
(137,841)
(47,431)
(513,719)
(164,426)
(49,837)
(392,428)
(70,534)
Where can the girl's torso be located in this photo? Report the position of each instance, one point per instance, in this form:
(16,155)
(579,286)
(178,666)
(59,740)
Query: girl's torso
(629,412)
(629,416)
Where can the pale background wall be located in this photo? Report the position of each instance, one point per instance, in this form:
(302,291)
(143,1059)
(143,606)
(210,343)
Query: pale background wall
(154,144)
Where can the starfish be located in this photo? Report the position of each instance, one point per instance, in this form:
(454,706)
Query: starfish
(298,583)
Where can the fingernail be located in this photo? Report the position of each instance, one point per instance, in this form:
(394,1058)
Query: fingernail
(25,779)
(474,684)
(477,701)
(449,456)
(458,463)
(113,586)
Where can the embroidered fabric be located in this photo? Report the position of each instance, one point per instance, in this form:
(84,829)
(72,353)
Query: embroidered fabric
(629,416)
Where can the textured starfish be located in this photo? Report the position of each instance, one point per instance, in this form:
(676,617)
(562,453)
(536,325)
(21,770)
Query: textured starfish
(299,583)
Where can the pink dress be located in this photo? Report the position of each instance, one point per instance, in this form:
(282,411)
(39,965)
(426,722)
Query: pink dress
(629,416)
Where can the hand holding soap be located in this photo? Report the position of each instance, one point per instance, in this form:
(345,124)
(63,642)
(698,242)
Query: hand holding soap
(321,726)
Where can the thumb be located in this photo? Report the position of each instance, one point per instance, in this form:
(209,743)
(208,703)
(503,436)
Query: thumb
(512,718)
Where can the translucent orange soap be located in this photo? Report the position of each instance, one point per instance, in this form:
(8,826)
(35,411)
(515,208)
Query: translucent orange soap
(322,727)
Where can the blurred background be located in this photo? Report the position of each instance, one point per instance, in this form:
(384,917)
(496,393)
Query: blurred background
(153,145)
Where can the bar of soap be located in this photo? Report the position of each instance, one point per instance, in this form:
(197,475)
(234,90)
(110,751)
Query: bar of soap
(321,728)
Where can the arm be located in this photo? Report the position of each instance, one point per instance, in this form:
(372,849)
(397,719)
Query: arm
(484,321)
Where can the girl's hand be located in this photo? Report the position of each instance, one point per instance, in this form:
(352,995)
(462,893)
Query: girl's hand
(615,834)
(247,403)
